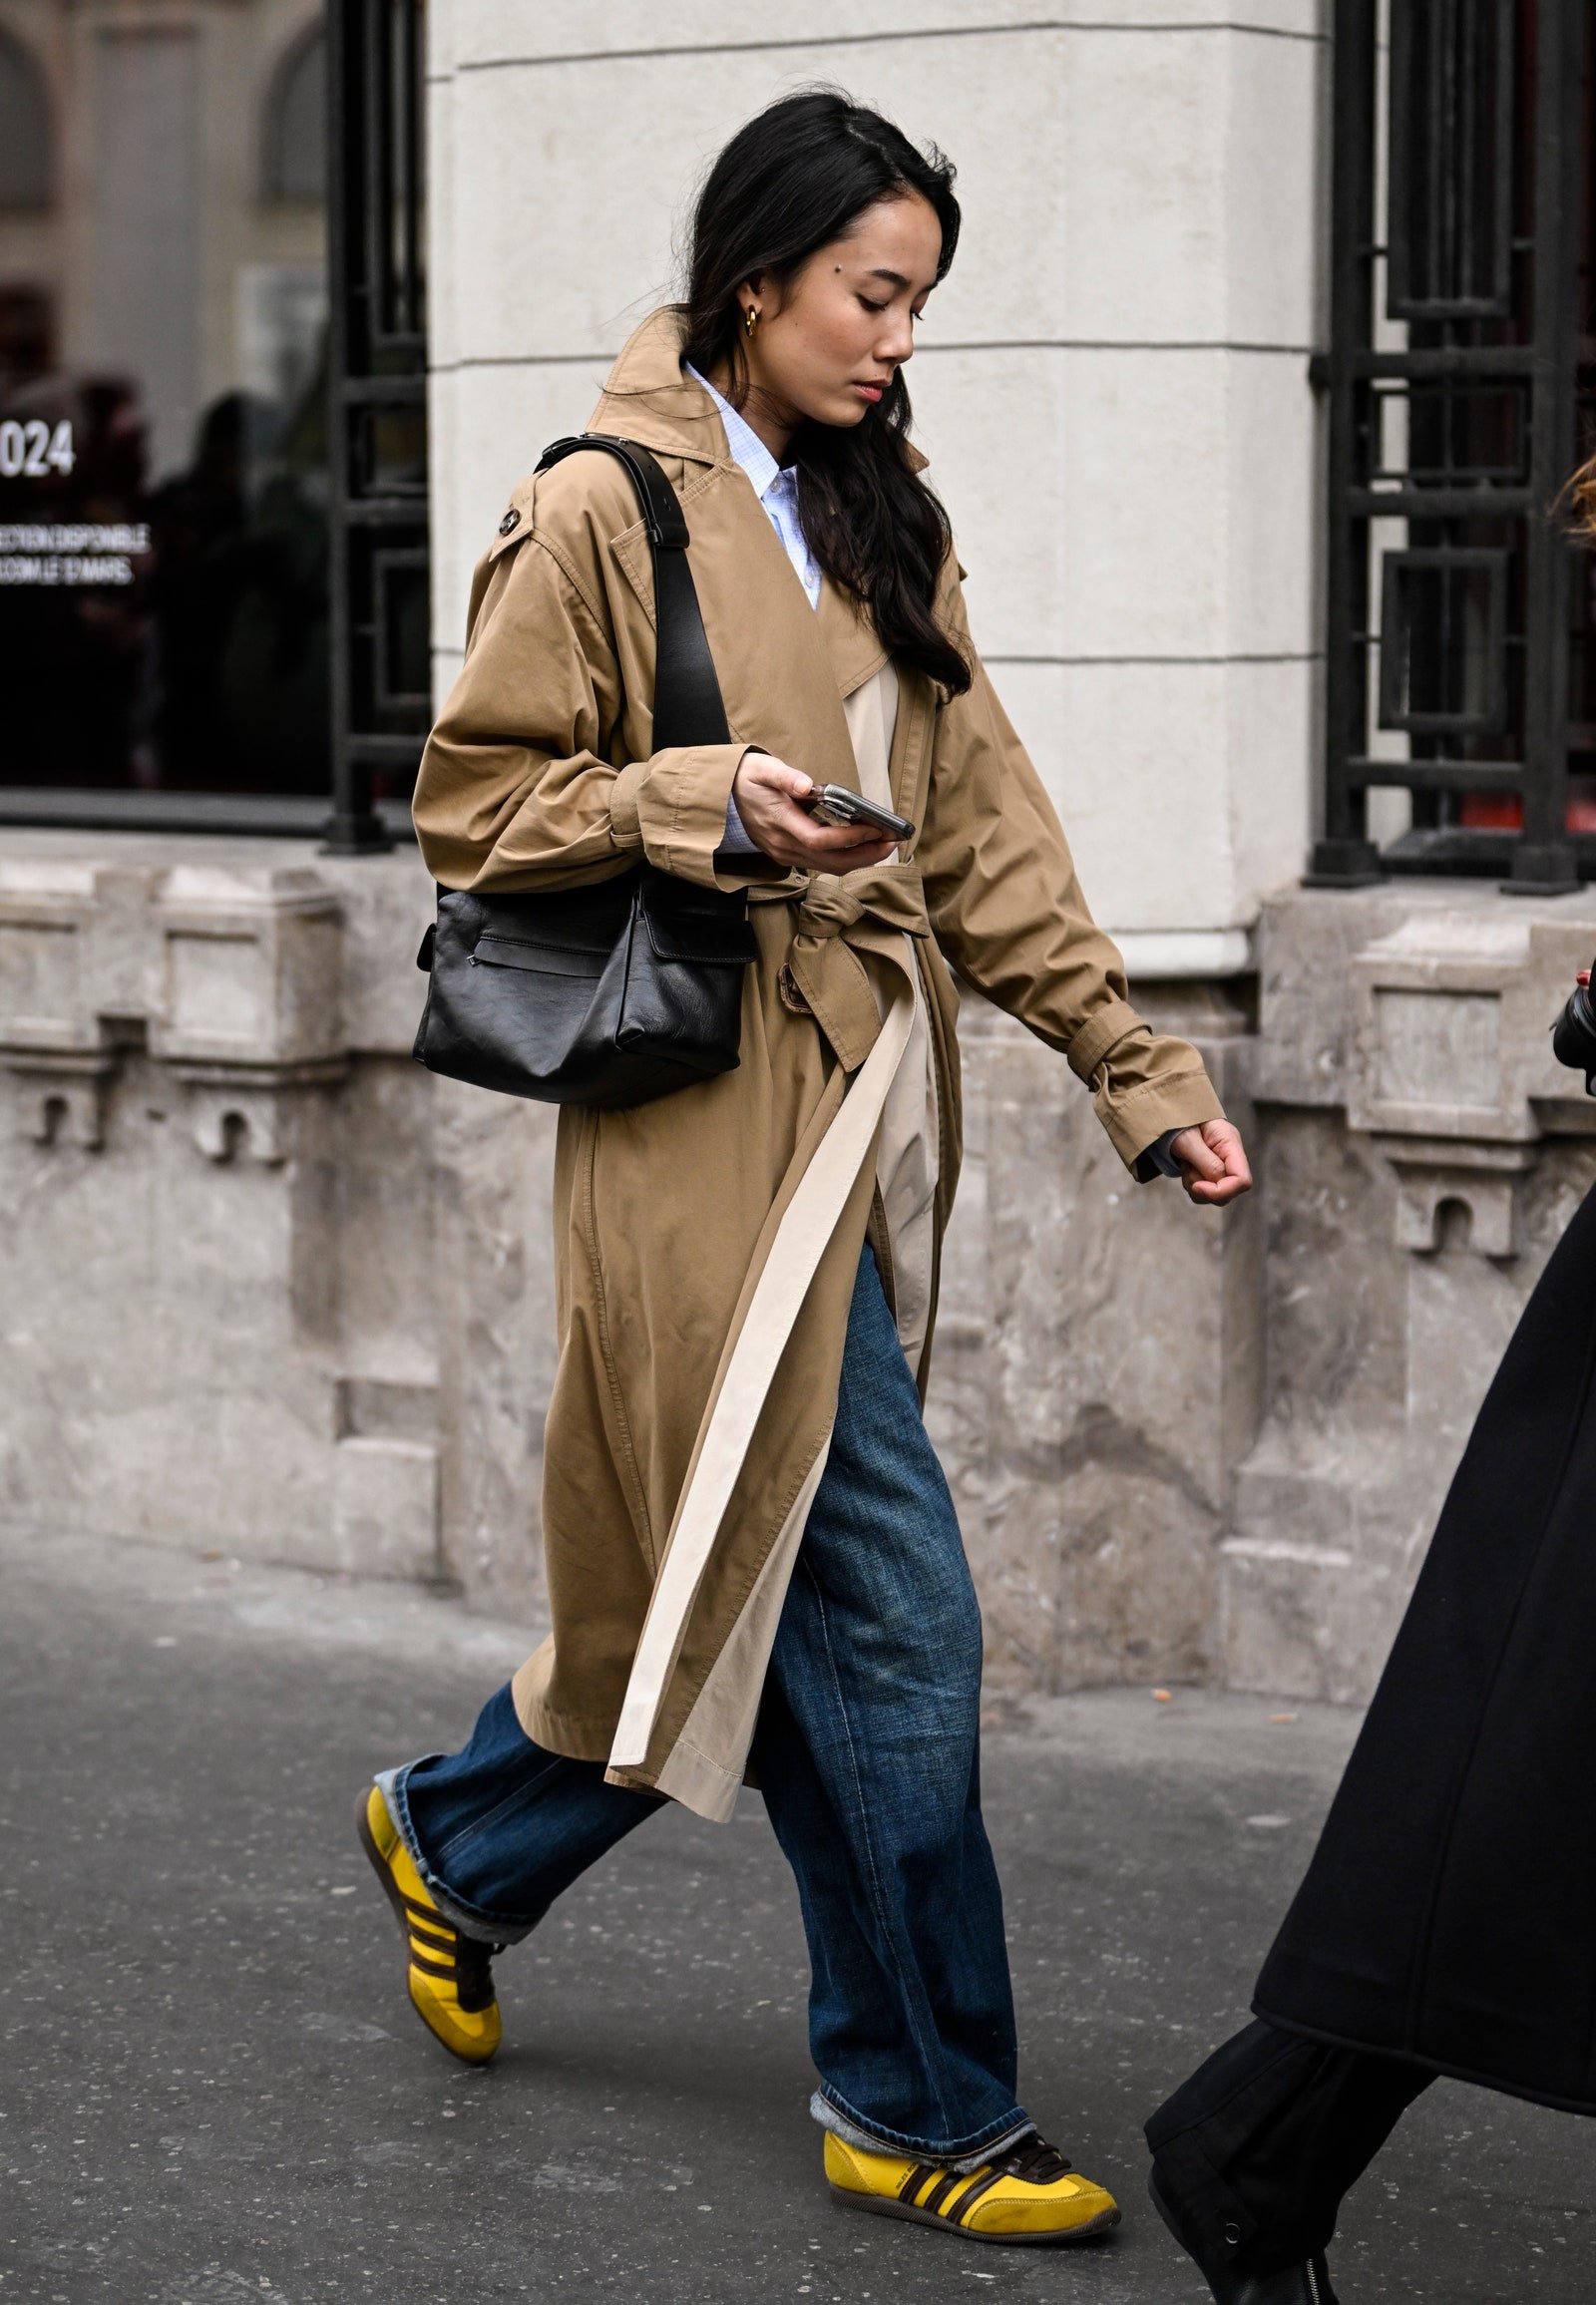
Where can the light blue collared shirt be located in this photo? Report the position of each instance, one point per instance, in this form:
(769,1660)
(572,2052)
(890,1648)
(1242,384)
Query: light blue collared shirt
(775,485)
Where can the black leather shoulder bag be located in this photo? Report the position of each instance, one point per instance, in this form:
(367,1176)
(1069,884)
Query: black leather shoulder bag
(620,990)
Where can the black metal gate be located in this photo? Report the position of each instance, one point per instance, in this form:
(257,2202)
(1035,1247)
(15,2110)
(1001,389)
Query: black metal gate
(377,413)
(1459,641)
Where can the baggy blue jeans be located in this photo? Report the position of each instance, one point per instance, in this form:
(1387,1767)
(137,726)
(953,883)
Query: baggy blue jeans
(866,1753)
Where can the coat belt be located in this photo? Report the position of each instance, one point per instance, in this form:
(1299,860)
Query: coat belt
(823,972)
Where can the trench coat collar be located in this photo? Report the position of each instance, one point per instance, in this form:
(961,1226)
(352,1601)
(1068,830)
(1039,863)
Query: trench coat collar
(649,398)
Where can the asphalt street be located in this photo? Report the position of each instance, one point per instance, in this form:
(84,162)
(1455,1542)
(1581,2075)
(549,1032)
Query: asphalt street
(213,2091)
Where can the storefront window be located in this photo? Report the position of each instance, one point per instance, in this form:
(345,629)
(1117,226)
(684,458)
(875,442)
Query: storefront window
(164,602)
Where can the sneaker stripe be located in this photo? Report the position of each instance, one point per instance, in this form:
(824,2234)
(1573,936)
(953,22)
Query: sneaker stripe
(950,2181)
(983,2185)
(444,1968)
(466,1977)
(427,1913)
(956,2200)
(921,2173)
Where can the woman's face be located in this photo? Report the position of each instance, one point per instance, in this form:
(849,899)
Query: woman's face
(828,346)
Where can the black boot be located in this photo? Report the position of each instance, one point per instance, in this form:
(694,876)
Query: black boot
(1307,2284)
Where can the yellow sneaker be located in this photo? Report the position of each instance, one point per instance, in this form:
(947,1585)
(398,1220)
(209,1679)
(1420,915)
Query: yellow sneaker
(1029,2194)
(450,1976)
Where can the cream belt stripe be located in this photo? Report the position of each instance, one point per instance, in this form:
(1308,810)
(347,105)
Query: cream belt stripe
(811,1218)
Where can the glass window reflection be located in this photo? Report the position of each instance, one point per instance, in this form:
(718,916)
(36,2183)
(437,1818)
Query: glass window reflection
(162,436)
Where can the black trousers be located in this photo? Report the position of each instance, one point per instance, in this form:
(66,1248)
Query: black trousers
(1253,2154)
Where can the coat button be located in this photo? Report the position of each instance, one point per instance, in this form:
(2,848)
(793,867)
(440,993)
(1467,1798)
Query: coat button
(1233,2237)
(511,520)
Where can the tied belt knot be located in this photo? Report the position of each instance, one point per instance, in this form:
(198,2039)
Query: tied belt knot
(823,975)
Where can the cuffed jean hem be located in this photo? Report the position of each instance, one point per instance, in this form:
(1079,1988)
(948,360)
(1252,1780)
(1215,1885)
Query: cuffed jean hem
(962,2155)
(483,1928)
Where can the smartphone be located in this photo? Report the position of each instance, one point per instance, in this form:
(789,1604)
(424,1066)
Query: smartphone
(838,804)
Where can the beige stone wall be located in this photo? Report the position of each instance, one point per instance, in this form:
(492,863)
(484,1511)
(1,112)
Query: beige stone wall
(272,1289)
(269,1289)
(1095,1370)
(218,1247)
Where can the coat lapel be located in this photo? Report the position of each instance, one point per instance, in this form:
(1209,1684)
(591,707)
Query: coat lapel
(784,668)
(852,644)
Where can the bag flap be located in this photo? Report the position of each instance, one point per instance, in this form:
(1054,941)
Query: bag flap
(589,918)
(710,936)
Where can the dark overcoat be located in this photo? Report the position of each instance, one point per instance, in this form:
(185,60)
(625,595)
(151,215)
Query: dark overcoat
(1449,1912)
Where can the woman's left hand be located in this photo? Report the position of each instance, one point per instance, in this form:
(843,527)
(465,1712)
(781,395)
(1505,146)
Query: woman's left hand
(1212,1163)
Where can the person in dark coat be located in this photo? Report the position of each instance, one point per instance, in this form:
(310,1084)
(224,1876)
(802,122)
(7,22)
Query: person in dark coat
(1447,1923)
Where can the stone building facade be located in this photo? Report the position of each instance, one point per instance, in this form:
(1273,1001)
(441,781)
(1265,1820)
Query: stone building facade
(270,1288)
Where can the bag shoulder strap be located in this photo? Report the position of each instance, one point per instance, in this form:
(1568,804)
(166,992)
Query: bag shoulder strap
(689,708)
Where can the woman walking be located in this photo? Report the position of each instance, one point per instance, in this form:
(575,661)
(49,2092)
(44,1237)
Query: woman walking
(752,1556)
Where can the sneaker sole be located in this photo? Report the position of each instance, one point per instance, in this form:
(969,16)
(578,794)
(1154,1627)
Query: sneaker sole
(878,2205)
(391,1890)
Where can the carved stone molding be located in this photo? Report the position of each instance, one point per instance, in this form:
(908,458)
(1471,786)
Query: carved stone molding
(1448,1068)
(250,967)
(229,975)
(250,1109)
(1437,1027)
(62,1098)
(46,926)
(1479,1180)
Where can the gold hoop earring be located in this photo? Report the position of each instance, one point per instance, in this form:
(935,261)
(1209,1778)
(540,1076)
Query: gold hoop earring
(750,320)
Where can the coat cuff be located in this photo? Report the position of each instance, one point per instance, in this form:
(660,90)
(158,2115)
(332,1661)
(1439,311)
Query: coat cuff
(1137,1118)
(673,807)
(1115,1021)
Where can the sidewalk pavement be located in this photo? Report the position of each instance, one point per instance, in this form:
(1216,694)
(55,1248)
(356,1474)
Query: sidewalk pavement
(213,2091)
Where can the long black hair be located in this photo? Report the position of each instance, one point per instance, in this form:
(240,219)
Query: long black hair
(793,180)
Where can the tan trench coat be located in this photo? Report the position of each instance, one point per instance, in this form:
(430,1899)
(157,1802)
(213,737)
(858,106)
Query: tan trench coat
(540,774)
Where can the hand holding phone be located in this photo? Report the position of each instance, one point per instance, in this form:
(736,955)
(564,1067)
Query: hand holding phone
(839,804)
(776,802)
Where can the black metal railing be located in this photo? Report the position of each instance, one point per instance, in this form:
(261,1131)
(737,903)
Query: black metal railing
(377,414)
(1457,640)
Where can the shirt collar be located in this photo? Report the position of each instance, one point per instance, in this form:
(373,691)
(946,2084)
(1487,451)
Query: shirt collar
(748,449)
